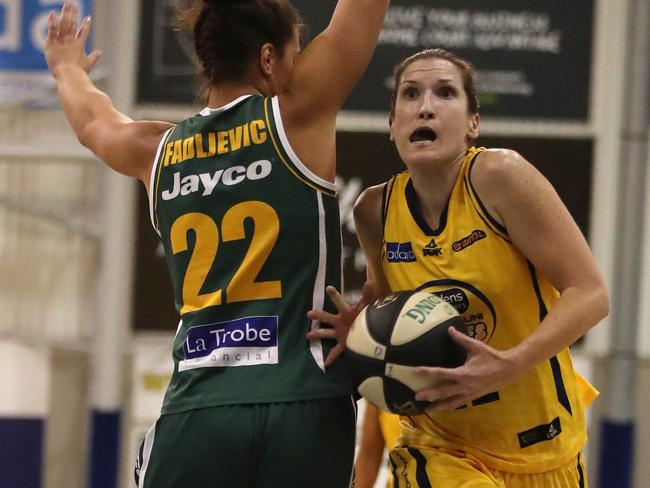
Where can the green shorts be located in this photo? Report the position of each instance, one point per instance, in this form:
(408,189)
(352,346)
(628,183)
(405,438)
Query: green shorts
(268,445)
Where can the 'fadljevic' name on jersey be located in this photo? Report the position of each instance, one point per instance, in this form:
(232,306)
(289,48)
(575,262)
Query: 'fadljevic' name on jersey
(207,182)
(218,143)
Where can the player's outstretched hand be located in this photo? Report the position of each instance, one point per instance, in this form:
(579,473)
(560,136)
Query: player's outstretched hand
(485,371)
(341,322)
(65,43)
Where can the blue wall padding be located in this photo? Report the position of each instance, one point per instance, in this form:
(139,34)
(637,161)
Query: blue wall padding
(21,452)
(616,452)
(105,447)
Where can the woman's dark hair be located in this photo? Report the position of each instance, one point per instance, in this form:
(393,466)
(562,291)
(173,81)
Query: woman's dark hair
(228,34)
(466,72)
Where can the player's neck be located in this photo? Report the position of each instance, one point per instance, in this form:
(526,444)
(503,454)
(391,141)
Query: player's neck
(432,203)
(433,186)
(222,94)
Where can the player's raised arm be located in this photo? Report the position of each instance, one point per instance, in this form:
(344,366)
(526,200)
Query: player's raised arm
(324,75)
(126,146)
(335,60)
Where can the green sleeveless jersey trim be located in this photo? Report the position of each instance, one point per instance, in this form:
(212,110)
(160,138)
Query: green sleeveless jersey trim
(153,179)
(251,237)
(295,163)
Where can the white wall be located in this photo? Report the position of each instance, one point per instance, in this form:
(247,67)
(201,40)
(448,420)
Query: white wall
(644,314)
(47,260)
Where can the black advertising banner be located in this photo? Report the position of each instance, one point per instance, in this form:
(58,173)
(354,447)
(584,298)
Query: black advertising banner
(532,58)
(166,72)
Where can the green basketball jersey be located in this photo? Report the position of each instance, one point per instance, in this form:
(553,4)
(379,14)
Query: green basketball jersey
(251,238)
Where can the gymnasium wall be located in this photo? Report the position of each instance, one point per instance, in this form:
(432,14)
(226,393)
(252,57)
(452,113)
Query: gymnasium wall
(50,247)
(47,256)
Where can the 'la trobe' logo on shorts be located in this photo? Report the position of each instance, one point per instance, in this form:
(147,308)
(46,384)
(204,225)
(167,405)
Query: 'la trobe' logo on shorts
(243,342)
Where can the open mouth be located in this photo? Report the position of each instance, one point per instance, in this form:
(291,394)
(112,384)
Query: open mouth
(423,135)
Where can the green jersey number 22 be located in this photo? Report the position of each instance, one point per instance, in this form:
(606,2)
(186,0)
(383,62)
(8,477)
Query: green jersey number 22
(243,286)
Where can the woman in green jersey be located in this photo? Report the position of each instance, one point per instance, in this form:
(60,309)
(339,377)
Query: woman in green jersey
(243,198)
(489,234)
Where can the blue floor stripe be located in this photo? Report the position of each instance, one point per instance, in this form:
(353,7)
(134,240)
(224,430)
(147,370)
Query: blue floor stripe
(21,452)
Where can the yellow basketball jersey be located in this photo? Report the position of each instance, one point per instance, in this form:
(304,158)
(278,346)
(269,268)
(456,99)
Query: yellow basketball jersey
(534,424)
(390,429)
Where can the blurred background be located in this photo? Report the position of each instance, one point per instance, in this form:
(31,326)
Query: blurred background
(87,312)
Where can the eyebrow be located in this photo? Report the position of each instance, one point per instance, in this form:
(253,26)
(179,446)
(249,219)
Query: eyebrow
(449,81)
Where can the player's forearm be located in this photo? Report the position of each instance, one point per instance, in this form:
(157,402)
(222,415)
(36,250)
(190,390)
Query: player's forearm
(333,63)
(366,475)
(576,311)
(367,464)
(83,103)
(366,14)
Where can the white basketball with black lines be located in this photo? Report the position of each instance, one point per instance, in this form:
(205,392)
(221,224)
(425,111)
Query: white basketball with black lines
(392,337)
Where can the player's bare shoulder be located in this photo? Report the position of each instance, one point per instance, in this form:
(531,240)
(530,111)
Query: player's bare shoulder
(368,207)
(495,166)
(498,176)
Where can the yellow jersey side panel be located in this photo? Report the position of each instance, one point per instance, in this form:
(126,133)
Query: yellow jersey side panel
(390,428)
(533,424)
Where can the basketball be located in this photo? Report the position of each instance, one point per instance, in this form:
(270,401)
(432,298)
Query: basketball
(394,335)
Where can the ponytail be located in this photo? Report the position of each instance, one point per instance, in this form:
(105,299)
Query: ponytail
(228,34)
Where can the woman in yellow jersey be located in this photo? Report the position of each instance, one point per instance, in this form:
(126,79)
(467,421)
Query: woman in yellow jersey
(487,232)
(250,402)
